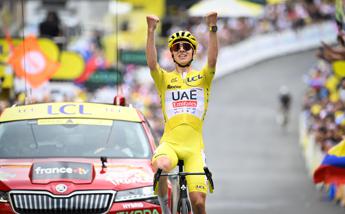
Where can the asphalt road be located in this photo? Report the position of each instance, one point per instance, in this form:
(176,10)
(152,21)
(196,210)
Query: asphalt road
(258,167)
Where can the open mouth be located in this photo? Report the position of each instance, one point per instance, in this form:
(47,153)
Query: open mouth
(182,56)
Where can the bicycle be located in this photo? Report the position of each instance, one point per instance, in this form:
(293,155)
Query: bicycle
(282,117)
(184,205)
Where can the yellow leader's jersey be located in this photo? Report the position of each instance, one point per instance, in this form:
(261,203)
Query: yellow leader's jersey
(184,97)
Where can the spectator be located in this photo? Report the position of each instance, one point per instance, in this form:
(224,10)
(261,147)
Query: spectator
(50,27)
(3,104)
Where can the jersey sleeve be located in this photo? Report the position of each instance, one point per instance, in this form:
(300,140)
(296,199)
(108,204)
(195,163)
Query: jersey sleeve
(209,73)
(157,76)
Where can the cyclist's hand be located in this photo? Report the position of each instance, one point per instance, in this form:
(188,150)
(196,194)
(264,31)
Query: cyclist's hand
(211,18)
(152,21)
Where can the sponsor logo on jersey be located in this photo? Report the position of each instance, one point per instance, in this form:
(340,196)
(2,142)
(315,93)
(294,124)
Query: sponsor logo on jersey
(178,104)
(184,95)
(174,80)
(187,101)
(173,86)
(186,98)
(194,78)
(200,187)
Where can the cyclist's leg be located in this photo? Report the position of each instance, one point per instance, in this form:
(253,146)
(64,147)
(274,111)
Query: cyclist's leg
(166,159)
(197,184)
(285,113)
(198,200)
(191,152)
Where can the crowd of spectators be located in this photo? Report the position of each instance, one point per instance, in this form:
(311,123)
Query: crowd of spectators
(324,100)
(324,105)
(276,18)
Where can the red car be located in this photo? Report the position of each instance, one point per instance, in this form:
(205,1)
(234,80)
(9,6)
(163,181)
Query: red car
(76,158)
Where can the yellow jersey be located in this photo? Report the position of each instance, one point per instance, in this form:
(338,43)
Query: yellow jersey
(184,97)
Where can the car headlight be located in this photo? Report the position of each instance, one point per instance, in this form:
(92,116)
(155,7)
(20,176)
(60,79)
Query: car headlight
(3,197)
(135,194)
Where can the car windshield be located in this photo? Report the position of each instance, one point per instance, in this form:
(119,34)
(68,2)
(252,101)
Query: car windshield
(73,138)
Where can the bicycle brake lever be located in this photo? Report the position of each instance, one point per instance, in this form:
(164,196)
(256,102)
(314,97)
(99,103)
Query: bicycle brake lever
(209,178)
(156,179)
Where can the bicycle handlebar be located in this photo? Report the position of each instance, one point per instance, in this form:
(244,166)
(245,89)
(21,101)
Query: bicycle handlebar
(209,178)
(206,172)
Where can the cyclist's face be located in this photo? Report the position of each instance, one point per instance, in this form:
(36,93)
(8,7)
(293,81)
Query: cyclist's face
(182,52)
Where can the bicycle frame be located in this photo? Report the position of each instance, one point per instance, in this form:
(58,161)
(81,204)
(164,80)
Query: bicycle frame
(183,205)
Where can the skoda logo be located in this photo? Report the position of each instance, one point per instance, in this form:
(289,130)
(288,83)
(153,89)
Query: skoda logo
(61,188)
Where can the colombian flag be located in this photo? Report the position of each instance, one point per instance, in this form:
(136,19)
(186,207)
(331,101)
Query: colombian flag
(332,168)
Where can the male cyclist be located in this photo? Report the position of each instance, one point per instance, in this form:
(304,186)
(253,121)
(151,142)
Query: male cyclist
(184,96)
(284,104)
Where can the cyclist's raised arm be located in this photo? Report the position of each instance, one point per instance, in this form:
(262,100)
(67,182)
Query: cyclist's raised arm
(151,51)
(211,21)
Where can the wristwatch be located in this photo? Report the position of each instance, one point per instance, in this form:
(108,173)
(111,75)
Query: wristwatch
(213,28)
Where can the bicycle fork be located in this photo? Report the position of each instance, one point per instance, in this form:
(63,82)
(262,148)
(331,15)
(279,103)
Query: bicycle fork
(183,205)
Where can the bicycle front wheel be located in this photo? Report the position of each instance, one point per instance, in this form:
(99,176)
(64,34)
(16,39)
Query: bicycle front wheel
(184,207)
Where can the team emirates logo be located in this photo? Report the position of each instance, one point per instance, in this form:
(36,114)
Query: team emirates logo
(179,104)
(186,98)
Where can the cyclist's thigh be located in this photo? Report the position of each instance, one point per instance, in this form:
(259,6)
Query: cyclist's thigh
(196,163)
(165,150)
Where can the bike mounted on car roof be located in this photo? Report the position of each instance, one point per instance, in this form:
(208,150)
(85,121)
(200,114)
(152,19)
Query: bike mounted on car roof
(183,205)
